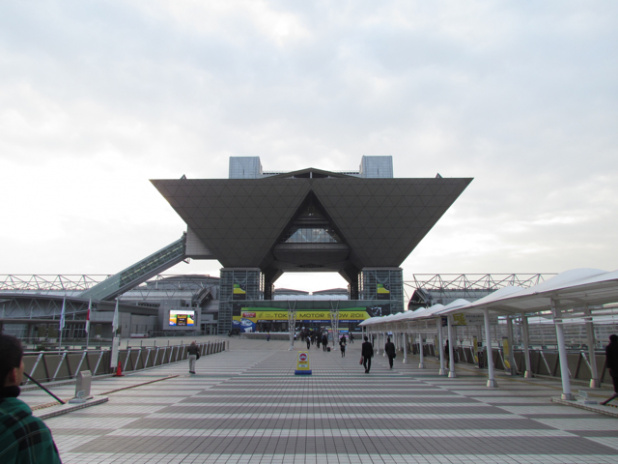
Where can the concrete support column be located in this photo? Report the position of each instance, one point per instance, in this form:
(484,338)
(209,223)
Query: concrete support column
(591,341)
(526,336)
(440,348)
(491,372)
(562,353)
(451,342)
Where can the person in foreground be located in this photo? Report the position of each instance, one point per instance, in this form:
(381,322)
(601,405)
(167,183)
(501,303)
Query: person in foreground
(611,361)
(367,354)
(24,439)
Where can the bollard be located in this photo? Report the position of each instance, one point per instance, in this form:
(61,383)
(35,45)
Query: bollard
(83,381)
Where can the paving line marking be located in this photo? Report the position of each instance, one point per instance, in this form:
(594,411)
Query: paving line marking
(254,416)
(340,433)
(329,404)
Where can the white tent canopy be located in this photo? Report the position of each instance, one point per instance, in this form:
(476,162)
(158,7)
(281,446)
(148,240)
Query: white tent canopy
(577,293)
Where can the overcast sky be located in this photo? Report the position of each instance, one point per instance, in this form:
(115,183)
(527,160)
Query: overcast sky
(98,97)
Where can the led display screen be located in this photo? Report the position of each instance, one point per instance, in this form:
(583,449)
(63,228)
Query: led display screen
(182,317)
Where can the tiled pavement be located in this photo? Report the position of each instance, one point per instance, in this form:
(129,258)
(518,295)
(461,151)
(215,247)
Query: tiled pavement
(247,406)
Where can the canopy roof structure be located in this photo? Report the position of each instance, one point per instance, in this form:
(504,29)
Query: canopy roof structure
(586,296)
(310,220)
(571,291)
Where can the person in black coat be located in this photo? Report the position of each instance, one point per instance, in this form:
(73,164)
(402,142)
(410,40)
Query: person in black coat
(611,361)
(367,354)
(389,349)
(194,354)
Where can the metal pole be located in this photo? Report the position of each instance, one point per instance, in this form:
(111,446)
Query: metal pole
(442,370)
(511,347)
(44,389)
(491,380)
(594,371)
(562,353)
(421,363)
(526,337)
(451,372)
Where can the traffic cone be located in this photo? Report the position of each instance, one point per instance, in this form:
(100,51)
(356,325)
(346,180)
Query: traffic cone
(119,371)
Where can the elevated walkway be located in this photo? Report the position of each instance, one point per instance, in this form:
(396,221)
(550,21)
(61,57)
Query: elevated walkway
(139,272)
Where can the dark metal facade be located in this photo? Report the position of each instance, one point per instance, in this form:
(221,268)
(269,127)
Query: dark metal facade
(244,222)
(309,220)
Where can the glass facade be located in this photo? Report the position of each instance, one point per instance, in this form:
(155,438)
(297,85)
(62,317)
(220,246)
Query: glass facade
(237,286)
(379,167)
(383,284)
(245,167)
(313,236)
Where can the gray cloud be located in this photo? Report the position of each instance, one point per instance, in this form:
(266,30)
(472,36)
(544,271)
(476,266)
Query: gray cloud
(109,94)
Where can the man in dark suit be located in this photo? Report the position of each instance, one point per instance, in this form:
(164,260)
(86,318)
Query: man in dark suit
(389,348)
(367,354)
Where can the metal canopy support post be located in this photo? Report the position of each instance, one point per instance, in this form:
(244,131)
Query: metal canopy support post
(397,336)
(442,370)
(511,347)
(405,345)
(594,371)
(562,353)
(491,372)
(451,352)
(421,363)
(526,339)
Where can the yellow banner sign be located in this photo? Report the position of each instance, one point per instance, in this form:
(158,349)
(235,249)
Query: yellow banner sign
(301,315)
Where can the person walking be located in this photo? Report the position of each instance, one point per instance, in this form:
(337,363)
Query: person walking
(24,438)
(342,344)
(389,349)
(367,354)
(611,362)
(324,341)
(308,340)
(194,355)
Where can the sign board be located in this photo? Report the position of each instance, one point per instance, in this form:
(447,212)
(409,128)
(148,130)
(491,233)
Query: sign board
(302,364)
(460,319)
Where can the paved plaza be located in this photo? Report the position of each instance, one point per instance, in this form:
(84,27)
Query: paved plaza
(247,406)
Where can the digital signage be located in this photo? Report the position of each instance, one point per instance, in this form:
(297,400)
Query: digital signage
(182,318)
